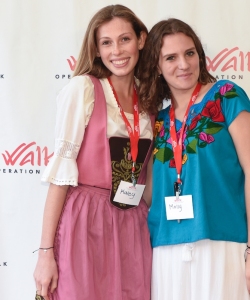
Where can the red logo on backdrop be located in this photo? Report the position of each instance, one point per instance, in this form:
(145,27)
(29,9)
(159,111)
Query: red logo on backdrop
(226,60)
(72,63)
(233,59)
(26,155)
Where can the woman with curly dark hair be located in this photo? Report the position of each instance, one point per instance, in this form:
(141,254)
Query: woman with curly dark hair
(200,173)
(153,87)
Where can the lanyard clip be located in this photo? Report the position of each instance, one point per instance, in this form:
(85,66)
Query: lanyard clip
(133,180)
(177,191)
(177,188)
(133,174)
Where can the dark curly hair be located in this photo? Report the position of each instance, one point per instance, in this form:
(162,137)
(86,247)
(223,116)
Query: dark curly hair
(153,88)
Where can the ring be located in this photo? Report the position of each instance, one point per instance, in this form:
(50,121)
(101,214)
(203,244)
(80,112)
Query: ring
(38,297)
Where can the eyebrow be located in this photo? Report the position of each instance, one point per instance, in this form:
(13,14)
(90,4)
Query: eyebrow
(171,54)
(106,37)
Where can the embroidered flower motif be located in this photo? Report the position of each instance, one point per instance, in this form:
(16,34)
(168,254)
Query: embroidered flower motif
(162,132)
(225,88)
(213,111)
(194,122)
(208,138)
(184,158)
(200,130)
(158,127)
(155,151)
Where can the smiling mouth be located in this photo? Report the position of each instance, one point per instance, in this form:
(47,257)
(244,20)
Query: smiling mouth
(185,75)
(120,62)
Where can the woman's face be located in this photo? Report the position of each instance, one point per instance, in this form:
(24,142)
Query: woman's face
(179,62)
(118,46)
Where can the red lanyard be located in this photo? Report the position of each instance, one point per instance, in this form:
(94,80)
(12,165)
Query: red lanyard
(177,144)
(133,135)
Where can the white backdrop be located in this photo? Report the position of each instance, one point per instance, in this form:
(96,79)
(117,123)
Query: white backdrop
(39,43)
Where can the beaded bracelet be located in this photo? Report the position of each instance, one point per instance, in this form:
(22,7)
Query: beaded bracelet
(44,249)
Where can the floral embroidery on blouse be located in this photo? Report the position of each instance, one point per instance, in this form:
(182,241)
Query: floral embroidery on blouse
(199,133)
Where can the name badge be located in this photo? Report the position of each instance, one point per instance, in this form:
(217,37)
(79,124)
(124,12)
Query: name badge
(128,194)
(181,208)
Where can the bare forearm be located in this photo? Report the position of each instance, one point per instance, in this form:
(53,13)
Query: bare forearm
(247,199)
(46,274)
(52,211)
(239,130)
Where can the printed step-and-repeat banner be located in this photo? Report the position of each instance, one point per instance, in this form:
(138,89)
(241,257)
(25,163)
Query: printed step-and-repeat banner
(39,45)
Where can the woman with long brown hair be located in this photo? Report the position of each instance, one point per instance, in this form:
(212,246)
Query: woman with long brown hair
(95,241)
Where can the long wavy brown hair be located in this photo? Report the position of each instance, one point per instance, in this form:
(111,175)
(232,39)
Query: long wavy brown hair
(88,62)
(153,88)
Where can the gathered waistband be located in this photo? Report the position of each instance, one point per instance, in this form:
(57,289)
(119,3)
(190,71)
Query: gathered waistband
(94,189)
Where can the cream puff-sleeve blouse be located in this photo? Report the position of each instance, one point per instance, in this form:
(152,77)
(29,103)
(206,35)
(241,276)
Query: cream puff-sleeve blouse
(75,103)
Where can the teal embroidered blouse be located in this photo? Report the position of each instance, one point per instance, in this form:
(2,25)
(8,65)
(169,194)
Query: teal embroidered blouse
(211,171)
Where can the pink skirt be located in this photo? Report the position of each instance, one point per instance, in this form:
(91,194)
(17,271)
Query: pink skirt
(102,252)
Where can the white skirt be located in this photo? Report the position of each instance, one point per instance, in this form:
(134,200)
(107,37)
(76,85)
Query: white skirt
(204,270)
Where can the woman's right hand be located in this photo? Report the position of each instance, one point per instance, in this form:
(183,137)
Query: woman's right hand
(46,273)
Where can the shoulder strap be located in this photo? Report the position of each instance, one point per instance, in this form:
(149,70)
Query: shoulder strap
(93,160)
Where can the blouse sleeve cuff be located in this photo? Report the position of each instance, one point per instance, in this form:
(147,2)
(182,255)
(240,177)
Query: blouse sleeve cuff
(61,171)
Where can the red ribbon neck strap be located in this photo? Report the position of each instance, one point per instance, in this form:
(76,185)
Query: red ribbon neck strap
(134,135)
(177,143)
